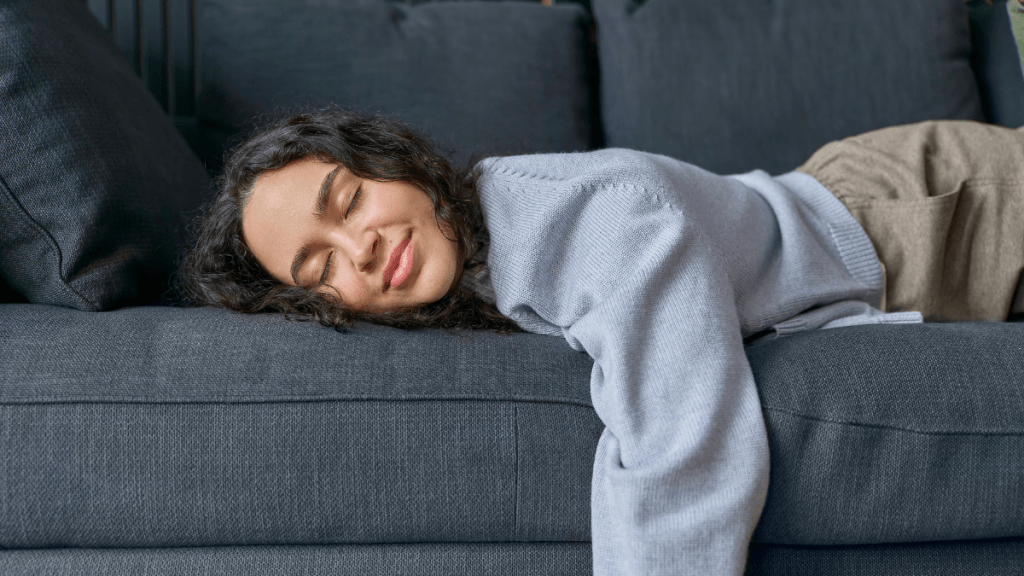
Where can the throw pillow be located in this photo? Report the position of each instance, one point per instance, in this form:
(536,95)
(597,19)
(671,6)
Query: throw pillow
(95,183)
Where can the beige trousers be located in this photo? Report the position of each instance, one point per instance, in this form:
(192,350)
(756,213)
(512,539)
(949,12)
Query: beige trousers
(943,204)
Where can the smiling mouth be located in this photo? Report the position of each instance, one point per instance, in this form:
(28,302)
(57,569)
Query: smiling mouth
(396,256)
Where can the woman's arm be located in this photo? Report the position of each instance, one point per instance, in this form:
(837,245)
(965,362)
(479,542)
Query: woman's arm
(586,249)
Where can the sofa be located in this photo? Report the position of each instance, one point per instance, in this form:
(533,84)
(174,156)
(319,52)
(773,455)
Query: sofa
(140,436)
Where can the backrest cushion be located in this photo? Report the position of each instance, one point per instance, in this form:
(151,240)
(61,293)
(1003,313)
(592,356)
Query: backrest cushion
(997,62)
(95,182)
(478,77)
(734,86)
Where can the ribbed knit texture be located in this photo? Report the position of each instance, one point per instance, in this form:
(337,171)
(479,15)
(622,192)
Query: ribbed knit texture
(658,270)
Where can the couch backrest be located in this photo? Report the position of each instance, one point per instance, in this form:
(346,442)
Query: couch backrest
(517,77)
(997,62)
(481,78)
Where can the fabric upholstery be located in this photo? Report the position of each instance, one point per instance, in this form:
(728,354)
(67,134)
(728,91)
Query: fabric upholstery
(975,558)
(997,63)
(908,434)
(95,182)
(479,77)
(736,86)
(227,429)
(224,429)
(400,559)
(1000,557)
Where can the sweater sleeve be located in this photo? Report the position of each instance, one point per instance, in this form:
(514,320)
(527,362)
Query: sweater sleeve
(681,469)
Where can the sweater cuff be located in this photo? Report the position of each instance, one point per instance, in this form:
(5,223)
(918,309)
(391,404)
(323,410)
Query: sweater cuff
(855,247)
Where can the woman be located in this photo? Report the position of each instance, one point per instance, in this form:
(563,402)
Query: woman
(222,269)
(659,270)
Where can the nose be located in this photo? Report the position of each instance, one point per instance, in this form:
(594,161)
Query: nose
(360,247)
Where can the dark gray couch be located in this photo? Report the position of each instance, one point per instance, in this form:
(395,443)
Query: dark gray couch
(137,437)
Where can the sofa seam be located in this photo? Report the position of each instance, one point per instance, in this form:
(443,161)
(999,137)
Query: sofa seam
(515,440)
(888,426)
(35,400)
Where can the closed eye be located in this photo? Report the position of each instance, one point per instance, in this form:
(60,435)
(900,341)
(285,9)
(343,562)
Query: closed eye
(327,268)
(352,204)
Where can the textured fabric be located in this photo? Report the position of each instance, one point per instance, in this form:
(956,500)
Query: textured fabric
(95,183)
(984,558)
(449,559)
(744,84)
(908,434)
(997,62)
(155,426)
(480,77)
(658,270)
(974,558)
(943,204)
(160,426)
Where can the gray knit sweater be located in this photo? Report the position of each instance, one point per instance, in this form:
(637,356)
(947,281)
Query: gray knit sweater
(659,270)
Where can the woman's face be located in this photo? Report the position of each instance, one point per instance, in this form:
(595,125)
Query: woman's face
(313,224)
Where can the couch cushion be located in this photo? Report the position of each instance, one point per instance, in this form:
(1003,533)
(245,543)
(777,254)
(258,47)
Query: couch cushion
(996,557)
(996,62)
(396,559)
(734,86)
(94,179)
(974,558)
(480,77)
(902,433)
(158,426)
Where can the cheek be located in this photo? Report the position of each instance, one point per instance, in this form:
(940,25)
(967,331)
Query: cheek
(352,294)
(453,259)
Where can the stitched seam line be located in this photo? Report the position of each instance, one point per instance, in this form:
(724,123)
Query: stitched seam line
(531,175)
(52,242)
(515,438)
(57,400)
(889,427)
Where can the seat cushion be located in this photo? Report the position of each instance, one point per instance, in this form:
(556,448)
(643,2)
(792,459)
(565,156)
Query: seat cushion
(902,433)
(95,182)
(160,426)
(479,77)
(735,86)
(1000,557)
(402,559)
(974,558)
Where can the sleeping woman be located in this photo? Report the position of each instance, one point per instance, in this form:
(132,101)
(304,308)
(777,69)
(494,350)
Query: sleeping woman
(662,272)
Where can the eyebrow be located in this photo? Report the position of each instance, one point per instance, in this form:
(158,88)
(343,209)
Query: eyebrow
(318,212)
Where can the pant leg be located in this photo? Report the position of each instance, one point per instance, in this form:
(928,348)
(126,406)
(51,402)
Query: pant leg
(943,204)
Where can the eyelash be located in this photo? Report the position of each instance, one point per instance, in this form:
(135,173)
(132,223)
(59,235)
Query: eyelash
(355,198)
(327,266)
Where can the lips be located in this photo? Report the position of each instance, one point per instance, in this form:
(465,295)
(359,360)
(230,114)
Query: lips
(396,255)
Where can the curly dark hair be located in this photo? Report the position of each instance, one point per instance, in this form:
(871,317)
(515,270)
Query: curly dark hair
(219,270)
